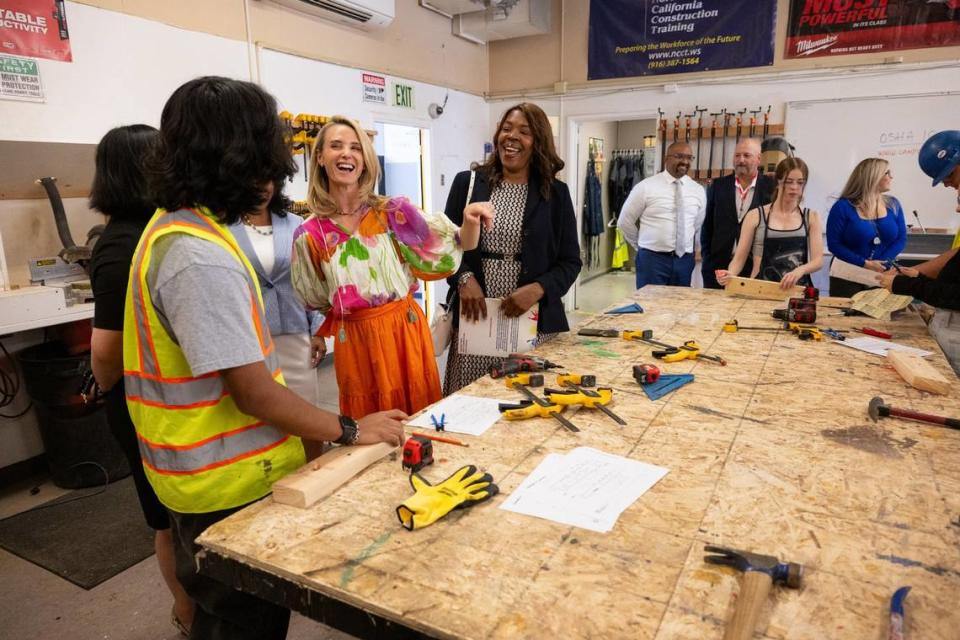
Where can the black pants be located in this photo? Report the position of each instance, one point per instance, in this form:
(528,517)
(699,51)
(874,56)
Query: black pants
(840,288)
(222,612)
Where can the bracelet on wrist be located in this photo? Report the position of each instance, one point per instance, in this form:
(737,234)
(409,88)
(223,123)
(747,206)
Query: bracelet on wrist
(464,278)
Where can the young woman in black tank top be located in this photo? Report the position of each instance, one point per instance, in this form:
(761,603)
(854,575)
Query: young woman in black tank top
(791,241)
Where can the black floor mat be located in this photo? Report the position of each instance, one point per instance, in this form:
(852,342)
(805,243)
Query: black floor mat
(85,541)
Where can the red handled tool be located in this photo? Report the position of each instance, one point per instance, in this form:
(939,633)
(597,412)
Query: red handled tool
(873,332)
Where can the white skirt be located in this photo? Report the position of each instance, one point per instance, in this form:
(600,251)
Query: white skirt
(293,351)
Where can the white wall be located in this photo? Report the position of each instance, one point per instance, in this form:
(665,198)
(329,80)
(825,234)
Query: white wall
(310,86)
(124,70)
(736,93)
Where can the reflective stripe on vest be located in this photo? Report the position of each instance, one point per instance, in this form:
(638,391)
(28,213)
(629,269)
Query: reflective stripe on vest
(201,453)
(180,393)
(215,452)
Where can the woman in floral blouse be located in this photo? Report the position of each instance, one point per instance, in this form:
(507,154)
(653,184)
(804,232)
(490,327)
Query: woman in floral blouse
(358,258)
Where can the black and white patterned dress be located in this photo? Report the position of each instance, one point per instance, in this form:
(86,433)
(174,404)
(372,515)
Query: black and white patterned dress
(501,277)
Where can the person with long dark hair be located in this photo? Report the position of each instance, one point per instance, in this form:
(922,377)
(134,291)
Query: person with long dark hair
(120,192)
(785,238)
(216,425)
(266,238)
(532,254)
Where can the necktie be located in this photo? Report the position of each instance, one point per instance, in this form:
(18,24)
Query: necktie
(678,206)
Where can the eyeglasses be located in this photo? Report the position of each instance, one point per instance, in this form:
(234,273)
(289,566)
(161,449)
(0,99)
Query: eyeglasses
(682,156)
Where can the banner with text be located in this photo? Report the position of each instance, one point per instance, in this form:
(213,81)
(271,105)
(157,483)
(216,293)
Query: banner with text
(648,37)
(841,27)
(35,29)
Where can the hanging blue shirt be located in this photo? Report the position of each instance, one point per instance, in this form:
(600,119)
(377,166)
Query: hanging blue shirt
(852,239)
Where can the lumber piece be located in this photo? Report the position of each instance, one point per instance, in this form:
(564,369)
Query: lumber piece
(767,290)
(760,289)
(853,273)
(918,373)
(321,477)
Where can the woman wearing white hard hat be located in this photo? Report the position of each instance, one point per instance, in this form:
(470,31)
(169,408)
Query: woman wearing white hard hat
(937,281)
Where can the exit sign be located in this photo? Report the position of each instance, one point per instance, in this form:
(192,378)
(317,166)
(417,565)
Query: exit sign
(402,95)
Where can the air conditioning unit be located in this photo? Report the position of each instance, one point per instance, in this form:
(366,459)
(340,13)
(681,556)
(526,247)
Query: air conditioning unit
(504,19)
(360,14)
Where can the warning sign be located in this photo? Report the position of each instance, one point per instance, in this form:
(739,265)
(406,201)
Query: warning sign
(374,88)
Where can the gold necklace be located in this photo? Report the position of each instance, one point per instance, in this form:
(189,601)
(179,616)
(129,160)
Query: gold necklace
(246,220)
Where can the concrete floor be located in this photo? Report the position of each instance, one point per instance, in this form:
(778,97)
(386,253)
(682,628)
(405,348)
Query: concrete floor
(135,605)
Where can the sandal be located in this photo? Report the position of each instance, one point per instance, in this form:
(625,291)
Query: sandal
(184,631)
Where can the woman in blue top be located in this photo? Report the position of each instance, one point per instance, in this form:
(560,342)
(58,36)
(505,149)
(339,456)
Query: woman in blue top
(866,228)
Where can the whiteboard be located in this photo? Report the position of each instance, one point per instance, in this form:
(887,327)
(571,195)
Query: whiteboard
(832,136)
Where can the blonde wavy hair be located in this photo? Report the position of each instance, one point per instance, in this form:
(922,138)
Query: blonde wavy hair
(319,200)
(862,188)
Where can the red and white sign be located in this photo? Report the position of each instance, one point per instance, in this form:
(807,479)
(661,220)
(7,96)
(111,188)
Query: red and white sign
(374,88)
(35,29)
(842,27)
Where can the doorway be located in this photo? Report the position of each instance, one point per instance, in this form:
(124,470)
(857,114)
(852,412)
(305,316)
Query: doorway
(404,154)
(611,156)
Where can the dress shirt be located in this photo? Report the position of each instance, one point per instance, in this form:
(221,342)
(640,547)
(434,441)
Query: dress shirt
(744,198)
(649,218)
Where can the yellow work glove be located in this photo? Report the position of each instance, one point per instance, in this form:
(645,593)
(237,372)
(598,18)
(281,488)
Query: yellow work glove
(465,488)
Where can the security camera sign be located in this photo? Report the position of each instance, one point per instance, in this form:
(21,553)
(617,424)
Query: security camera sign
(374,88)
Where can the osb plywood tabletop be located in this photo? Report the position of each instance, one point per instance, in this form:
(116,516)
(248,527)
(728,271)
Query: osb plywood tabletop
(773,453)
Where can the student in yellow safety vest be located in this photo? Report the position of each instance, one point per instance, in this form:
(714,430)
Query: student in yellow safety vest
(215,423)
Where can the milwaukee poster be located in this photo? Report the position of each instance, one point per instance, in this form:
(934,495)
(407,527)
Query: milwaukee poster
(841,27)
(35,29)
(649,37)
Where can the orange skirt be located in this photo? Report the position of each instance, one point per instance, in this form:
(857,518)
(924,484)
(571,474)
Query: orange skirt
(386,362)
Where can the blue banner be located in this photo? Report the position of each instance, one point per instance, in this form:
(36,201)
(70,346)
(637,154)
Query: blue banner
(649,37)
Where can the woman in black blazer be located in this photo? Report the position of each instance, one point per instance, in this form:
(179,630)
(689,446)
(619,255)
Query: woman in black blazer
(532,254)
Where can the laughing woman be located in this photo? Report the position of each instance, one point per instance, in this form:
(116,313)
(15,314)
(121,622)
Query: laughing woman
(531,255)
(358,258)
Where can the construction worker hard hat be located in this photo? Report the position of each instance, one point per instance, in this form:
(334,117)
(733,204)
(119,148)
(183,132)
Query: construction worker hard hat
(940,155)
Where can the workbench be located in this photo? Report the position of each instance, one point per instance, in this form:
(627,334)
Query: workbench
(773,454)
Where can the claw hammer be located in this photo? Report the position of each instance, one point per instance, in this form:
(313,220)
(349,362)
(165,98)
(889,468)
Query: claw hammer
(759,574)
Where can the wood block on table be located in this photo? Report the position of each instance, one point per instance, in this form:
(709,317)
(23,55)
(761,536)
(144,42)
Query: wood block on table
(319,478)
(918,372)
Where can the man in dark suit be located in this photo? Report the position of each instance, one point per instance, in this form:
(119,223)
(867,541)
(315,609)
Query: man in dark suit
(728,200)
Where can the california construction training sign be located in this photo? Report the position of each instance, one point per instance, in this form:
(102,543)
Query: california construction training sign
(35,29)
(647,37)
(840,27)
